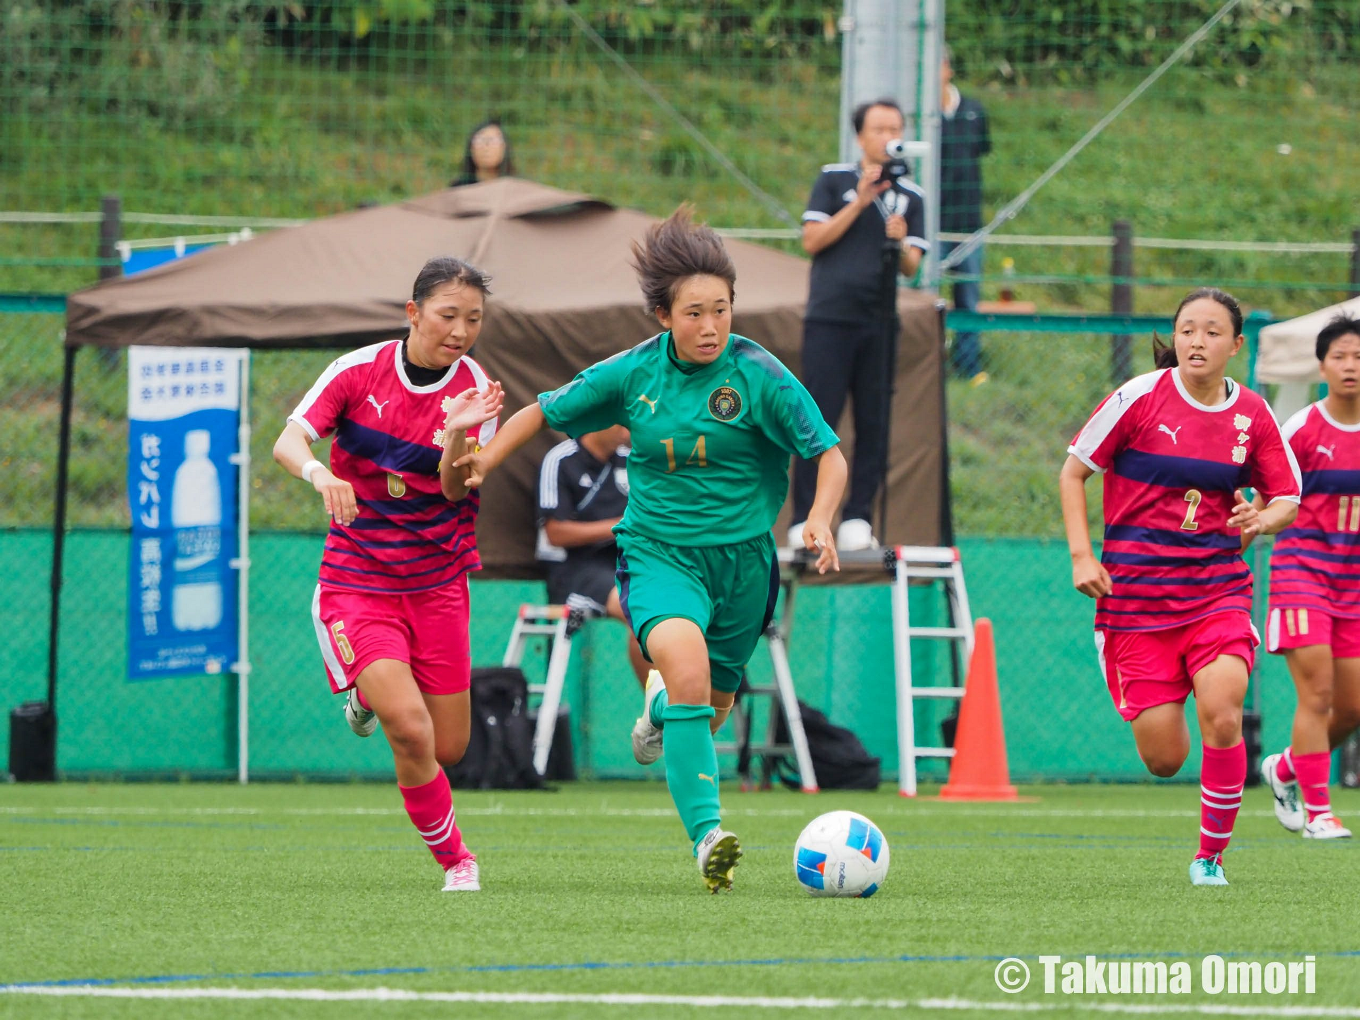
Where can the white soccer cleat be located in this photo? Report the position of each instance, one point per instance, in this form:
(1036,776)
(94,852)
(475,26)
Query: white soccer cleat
(796,537)
(718,855)
(855,535)
(363,721)
(1326,826)
(1287,807)
(462,877)
(646,734)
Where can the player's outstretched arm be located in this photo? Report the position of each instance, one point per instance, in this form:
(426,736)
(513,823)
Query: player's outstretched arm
(831,474)
(523,425)
(293,450)
(1088,575)
(466,411)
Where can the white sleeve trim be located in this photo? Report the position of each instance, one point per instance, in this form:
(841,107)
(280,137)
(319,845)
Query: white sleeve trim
(1289,455)
(1287,499)
(813,216)
(1296,421)
(918,242)
(1103,422)
(363,356)
(306,425)
(548,471)
(1086,460)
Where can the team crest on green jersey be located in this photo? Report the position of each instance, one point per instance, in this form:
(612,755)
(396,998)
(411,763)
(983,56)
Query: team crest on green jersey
(724,403)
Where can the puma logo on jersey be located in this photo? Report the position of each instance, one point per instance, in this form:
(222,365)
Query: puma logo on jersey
(710,779)
(1330,452)
(650,403)
(1163,428)
(377,406)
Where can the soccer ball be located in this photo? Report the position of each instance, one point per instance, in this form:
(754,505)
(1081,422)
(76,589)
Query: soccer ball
(841,854)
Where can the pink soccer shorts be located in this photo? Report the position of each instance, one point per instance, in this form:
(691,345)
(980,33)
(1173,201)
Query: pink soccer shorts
(1287,629)
(1147,668)
(428,630)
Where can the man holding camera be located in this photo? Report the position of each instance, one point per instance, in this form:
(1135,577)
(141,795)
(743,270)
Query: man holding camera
(865,222)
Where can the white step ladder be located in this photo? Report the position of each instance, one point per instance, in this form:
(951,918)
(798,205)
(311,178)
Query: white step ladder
(781,694)
(559,624)
(914,563)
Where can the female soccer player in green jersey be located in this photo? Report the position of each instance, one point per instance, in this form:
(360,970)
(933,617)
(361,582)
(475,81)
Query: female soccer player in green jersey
(714,419)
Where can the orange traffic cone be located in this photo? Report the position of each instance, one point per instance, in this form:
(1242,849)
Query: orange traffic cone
(979,770)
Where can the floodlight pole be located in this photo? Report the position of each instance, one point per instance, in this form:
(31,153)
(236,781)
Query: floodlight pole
(893,48)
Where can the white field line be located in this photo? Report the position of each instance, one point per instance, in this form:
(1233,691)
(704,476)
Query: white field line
(699,1001)
(896,811)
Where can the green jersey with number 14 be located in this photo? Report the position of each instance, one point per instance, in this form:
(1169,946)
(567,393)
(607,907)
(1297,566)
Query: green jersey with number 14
(711,443)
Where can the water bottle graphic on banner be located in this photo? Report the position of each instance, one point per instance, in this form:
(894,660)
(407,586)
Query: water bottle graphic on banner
(196,516)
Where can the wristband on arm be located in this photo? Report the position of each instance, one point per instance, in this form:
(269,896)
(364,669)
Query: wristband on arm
(308,468)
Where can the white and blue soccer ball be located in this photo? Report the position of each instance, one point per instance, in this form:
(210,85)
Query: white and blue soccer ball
(841,853)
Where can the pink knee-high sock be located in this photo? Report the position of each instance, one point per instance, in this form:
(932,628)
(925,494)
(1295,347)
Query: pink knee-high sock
(431,809)
(1223,773)
(1284,767)
(1313,771)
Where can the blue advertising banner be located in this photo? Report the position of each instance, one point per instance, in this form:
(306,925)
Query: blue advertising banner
(138,260)
(183,420)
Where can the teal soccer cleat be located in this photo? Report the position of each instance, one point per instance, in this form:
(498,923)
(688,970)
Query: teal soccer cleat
(1207,871)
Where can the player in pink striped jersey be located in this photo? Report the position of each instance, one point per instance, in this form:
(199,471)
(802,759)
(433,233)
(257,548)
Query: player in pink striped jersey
(1173,595)
(391,608)
(1315,590)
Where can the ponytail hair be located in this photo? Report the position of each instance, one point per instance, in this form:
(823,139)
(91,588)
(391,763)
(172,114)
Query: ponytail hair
(1164,353)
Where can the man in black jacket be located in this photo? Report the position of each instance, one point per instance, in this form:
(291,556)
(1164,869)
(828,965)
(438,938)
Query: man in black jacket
(964,140)
(854,220)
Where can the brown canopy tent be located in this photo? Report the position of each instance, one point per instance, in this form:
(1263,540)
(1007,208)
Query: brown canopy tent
(563,297)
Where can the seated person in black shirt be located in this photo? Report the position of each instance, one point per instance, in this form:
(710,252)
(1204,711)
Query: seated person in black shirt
(582,493)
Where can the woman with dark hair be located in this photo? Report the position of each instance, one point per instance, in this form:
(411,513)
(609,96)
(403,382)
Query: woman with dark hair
(714,419)
(1173,595)
(391,608)
(486,155)
(1314,619)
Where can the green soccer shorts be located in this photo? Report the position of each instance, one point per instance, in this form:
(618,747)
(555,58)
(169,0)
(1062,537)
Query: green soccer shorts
(728,591)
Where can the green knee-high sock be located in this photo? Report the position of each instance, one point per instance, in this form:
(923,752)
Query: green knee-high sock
(692,768)
(659,705)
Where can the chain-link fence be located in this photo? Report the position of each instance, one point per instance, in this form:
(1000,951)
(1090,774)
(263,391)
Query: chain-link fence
(1231,169)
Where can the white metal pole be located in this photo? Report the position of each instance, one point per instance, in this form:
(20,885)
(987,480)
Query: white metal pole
(556,680)
(929,114)
(242,564)
(906,726)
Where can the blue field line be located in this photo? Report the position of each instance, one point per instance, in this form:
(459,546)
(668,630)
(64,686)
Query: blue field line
(523,968)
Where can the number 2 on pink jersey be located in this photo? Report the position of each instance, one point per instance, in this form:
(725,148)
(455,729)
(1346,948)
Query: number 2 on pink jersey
(1192,496)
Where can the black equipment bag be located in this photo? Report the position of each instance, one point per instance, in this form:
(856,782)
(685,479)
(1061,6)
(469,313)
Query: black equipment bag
(838,757)
(500,752)
(33,743)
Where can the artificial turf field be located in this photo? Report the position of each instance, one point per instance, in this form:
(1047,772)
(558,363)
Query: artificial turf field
(159,901)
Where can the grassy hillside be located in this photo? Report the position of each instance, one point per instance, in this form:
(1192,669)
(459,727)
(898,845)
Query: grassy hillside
(1196,157)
